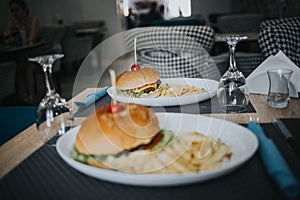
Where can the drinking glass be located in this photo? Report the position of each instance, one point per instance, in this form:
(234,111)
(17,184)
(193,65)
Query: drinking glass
(231,92)
(278,95)
(54,115)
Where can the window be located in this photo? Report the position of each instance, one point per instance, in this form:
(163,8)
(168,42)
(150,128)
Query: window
(179,7)
(173,8)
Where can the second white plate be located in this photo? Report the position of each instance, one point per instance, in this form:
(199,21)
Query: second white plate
(209,85)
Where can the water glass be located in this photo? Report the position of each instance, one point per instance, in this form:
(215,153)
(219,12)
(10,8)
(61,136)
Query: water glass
(278,94)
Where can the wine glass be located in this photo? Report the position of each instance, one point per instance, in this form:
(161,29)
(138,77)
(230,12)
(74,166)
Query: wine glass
(231,93)
(54,115)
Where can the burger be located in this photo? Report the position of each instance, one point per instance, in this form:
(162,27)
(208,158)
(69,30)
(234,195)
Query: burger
(117,130)
(142,82)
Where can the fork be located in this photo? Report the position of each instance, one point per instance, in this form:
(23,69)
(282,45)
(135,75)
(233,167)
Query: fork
(273,161)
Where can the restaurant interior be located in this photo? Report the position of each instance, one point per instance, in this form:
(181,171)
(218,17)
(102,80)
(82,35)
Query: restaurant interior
(82,46)
(78,27)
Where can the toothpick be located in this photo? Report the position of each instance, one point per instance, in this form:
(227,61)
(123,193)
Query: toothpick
(113,83)
(135,58)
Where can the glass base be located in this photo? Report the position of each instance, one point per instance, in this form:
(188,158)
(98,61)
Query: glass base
(235,109)
(276,104)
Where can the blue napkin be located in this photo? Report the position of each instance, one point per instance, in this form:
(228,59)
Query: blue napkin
(91,98)
(274,163)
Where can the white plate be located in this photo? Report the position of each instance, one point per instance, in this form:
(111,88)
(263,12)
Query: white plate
(210,86)
(244,144)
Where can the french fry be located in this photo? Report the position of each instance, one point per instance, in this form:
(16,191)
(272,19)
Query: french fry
(190,152)
(175,90)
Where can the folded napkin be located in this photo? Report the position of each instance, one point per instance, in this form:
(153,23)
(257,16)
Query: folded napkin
(258,82)
(91,98)
(274,163)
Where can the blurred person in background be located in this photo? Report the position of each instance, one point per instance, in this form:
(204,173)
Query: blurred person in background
(153,14)
(131,19)
(22,29)
(161,11)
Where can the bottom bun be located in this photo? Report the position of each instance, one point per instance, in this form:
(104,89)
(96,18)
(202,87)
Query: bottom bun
(98,164)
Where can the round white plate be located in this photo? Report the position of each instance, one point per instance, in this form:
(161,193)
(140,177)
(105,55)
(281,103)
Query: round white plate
(209,85)
(244,144)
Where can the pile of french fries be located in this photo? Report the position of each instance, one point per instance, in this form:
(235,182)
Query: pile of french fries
(190,152)
(175,90)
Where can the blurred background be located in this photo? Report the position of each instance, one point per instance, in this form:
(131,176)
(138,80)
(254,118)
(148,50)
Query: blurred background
(77,26)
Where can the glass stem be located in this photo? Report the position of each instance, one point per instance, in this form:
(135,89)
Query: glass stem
(47,68)
(232,62)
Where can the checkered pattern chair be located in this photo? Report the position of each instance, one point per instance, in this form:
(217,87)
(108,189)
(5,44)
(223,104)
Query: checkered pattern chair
(176,51)
(281,34)
(293,21)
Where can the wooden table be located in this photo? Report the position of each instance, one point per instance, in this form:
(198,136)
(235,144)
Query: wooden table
(24,144)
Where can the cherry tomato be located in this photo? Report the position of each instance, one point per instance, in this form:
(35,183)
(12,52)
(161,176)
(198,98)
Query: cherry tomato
(135,67)
(115,108)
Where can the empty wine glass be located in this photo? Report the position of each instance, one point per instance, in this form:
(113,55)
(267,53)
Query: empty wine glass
(54,115)
(231,93)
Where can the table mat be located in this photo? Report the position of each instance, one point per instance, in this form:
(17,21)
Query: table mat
(204,107)
(44,175)
(293,137)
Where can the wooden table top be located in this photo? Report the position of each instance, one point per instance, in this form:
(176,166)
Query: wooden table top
(24,144)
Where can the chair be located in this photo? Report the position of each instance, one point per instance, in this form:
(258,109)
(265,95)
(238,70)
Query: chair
(281,34)
(97,36)
(15,119)
(176,51)
(292,21)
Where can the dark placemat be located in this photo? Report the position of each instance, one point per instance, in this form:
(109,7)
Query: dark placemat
(204,107)
(290,129)
(44,175)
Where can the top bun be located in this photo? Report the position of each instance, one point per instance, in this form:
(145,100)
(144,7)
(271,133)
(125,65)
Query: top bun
(138,78)
(104,133)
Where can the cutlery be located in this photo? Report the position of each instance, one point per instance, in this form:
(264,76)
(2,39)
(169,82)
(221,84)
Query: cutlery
(283,129)
(274,163)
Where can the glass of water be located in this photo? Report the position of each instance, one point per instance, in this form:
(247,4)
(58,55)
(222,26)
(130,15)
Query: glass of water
(279,80)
